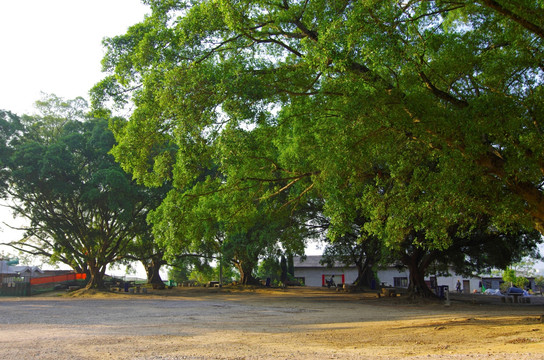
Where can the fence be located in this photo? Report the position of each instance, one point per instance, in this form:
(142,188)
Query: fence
(15,289)
(57,278)
(14,285)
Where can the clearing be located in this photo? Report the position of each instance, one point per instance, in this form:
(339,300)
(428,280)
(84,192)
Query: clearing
(296,323)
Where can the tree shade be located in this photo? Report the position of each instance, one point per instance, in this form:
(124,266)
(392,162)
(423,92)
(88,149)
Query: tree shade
(416,115)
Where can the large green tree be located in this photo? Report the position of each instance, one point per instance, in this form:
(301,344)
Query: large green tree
(82,208)
(326,87)
(228,225)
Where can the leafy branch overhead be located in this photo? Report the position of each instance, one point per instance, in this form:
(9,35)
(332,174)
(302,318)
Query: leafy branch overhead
(334,88)
(411,128)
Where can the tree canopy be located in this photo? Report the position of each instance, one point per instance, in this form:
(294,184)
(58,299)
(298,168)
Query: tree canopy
(414,114)
(82,208)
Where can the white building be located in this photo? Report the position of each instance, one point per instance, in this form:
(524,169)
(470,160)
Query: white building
(312,273)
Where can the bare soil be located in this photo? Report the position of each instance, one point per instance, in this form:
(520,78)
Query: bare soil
(297,323)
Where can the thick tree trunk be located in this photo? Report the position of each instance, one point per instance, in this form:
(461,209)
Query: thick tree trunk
(535,201)
(152,269)
(417,286)
(417,260)
(246,273)
(154,277)
(96,277)
(365,275)
(531,194)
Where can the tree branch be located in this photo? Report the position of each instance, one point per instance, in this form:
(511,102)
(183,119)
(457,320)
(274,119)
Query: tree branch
(283,179)
(495,5)
(442,94)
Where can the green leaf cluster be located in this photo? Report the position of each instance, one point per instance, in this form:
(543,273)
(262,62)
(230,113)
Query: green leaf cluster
(423,117)
(83,209)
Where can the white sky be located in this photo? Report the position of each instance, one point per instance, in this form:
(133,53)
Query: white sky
(55,46)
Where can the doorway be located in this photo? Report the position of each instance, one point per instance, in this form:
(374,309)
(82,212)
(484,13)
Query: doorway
(466,286)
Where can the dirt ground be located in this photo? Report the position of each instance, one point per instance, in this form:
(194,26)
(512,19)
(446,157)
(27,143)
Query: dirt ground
(297,323)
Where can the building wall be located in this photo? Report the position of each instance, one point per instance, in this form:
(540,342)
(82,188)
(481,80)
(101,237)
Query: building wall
(314,276)
(451,281)
(492,283)
(389,277)
(3,267)
(495,283)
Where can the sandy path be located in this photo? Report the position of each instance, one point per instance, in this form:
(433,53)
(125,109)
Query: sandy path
(274,324)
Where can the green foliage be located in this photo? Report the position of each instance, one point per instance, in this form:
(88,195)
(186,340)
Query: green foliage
(10,124)
(53,114)
(519,271)
(204,273)
(509,276)
(539,281)
(202,276)
(228,272)
(521,282)
(83,209)
(269,267)
(179,270)
(505,286)
(483,248)
(419,116)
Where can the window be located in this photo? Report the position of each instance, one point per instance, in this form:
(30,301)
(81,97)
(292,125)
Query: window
(400,282)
